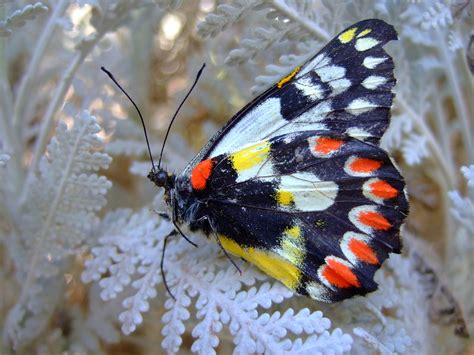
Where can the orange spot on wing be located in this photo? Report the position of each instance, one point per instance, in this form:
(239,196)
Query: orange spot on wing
(383,189)
(374,220)
(339,274)
(325,145)
(364,165)
(200,174)
(362,251)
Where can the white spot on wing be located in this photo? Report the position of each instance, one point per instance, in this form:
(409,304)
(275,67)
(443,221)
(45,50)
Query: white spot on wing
(309,89)
(309,193)
(358,133)
(339,86)
(372,62)
(330,73)
(358,106)
(373,82)
(318,291)
(365,43)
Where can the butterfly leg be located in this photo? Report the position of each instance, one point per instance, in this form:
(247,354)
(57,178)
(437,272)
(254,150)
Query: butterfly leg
(173,220)
(163,276)
(220,245)
(183,235)
(227,254)
(162,214)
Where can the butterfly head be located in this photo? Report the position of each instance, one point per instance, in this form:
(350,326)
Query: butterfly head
(162,178)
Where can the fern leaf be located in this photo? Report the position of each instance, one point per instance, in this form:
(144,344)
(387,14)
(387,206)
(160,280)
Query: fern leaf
(56,222)
(20,17)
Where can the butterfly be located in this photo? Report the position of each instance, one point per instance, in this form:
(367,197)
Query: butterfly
(296,182)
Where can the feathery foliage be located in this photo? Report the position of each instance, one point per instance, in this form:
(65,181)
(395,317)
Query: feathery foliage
(80,257)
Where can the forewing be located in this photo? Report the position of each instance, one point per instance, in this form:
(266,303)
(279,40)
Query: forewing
(346,88)
(317,210)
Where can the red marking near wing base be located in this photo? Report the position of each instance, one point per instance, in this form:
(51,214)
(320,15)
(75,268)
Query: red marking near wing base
(364,165)
(201,173)
(362,251)
(383,189)
(339,274)
(374,220)
(325,145)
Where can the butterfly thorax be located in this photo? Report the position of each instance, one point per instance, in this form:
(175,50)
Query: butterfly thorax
(189,206)
(186,206)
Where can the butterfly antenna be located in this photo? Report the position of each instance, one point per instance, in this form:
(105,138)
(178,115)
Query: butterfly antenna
(176,113)
(139,113)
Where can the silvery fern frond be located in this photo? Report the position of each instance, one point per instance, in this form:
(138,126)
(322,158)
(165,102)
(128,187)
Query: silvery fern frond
(127,261)
(67,192)
(20,17)
(58,217)
(224,16)
(468,172)
(49,70)
(463,207)
(4,158)
(436,16)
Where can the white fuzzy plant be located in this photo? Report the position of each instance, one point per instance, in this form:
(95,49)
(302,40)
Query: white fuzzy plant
(51,193)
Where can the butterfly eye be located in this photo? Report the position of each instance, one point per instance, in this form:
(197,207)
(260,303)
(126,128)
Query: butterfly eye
(160,178)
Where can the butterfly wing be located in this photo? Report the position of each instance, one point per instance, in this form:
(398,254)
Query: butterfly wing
(320,212)
(345,87)
(296,183)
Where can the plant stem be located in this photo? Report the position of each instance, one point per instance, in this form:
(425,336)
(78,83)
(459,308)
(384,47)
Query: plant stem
(40,239)
(308,25)
(432,143)
(7,135)
(25,88)
(4,124)
(458,96)
(64,84)
(444,136)
(48,120)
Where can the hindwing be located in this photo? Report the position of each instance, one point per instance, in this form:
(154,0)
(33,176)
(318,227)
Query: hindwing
(320,212)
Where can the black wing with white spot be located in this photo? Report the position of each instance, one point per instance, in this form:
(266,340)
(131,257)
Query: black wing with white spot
(346,87)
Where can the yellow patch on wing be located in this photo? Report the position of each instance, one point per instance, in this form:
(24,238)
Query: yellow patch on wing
(251,156)
(285,198)
(292,245)
(364,32)
(294,232)
(288,77)
(267,261)
(348,35)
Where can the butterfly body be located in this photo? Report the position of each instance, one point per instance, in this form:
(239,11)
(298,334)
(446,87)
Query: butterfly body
(296,182)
